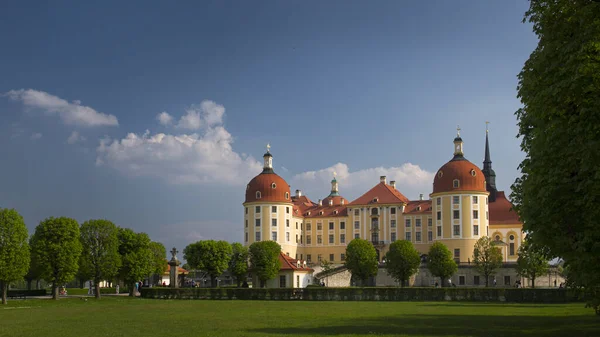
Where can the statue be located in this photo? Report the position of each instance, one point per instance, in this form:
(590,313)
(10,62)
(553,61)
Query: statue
(174,264)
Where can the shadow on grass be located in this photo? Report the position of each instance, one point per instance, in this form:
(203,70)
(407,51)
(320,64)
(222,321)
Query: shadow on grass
(449,325)
(492,304)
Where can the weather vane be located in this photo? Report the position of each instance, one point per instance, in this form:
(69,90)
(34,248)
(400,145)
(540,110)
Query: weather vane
(334,174)
(458,130)
(268,147)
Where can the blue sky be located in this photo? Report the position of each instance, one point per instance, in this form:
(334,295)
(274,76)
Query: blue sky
(362,88)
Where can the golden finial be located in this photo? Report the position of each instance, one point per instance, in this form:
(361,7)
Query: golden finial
(458,130)
(486,126)
(334,174)
(268,147)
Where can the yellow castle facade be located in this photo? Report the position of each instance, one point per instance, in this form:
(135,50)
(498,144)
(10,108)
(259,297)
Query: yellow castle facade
(464,206)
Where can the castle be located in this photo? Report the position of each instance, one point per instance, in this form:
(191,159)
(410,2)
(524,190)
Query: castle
(464,206)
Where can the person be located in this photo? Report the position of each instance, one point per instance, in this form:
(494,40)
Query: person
(494,281)
(117,289)
(164,284)
(245,284)
(436,284)
(555,283)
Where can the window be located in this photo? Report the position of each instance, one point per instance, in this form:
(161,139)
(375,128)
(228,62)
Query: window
(246,210)
(274,236)
(257,209)
(408,236)
(331,239)
(287,195)
(375,237)
(439,215)
(456,183)
(393,210)
(475,230)
(282,281)
(475,215)
(456,200)
(417,222)
(356,224)
(308,226)
(486,200)
(457,254)
(319,258)
(296,224)
(257,194)
(511,249)
(342,225)
(430,236)
(273,185)
(319,239)
(246,223)
(357,236)
(287,210)
(257,236)
(456,214)
(356,212)
(331,226)
(287,223)
(497,238)
(374,210)
(342,238)
(308,239)
(287,236)
(507,280)
(308,258)
(461,280)
(273,209)
(343,257)
(246,236)
(257,222)
(418,236)
(331,258)
(487,215)
(393,236)
(407,222)
(274,222)
(439,231)
(393,223)
(296,238)
(438,201)
(297,281)
(512,237)
(319,226)
(475,199)
(456,229)
(429,222)
(476,280)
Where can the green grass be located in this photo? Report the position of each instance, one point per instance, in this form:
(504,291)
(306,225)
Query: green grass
(118,316)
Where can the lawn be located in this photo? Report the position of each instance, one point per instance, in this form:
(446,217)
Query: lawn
(118,316)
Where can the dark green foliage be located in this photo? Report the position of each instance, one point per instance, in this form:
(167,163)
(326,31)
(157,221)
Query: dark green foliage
(35,271)
(209,256)
(532,262)
(558,194)
(159,258)
(136,257)
(487,258)
(402,261)
(264,259)
(361,259)
(440,262)
(57,248)
(238,264)
(14,249)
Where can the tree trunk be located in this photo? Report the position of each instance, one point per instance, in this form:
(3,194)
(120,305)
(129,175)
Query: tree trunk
(54,291)
(97,288)
(402,283)
(212,282)
(37,284)
(533,282)
(29,284)
(81,283)
(443,280)
(132,290)
(4,287)
(487,280)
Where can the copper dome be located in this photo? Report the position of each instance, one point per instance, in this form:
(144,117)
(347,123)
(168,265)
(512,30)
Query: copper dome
(468,175)
(272,188)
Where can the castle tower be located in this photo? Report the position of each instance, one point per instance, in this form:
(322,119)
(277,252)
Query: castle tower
(488,172)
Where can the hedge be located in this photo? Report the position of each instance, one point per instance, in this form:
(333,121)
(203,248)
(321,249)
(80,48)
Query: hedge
(370,294)
(32,292)
(103,291)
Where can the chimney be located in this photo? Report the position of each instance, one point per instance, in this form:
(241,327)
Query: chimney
(320,202)
(393,184)
(298,193)
(421,196)
(382,179)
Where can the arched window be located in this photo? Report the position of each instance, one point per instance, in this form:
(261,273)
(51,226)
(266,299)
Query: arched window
(473,173)
(273,185)
(511,245)
(374,211)
(257,194)
(287,195)
(456,183)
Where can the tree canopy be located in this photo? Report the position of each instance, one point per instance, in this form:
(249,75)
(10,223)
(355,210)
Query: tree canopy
(136,257)
(487,258)
(57,248)
(402,261)
(159,258)
(361,259)
(532,261)
(238,264)
(100,257)
(264,260)
(210,256)
(34,273)
(440,262)
(558,194)
(14,249)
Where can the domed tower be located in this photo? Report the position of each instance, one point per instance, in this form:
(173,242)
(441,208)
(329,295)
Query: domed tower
(460,204)
(268,206)
(334,198)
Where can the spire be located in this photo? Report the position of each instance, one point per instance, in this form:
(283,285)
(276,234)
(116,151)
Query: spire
(334,187)
(268,161)
(458,145)
(488,172)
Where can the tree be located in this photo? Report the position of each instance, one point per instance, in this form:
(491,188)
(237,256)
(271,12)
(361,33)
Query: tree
(558,194)
(35,272)
(402,261)
(159,256)
(361,259)
(210,256)
(83,274)
(136,257)
(57,248)
(238,264)
(264,260)
(440,262)
(487,258)
(532,261)
(14,249)
(100,257)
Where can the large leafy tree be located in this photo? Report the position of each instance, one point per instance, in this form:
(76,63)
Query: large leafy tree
(558,194)
(14,249)
(532,261)
(210,256)
(100,257)
(238,264)
(487,258)
(34,272)
(361,259)
(136,257)
(159,258)
(264,260)
(57,249)
(402,261)
(440,262)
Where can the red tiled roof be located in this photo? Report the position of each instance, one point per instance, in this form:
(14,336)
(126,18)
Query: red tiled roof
(462,170)
(384,193)
(263,183)
(326,211)
(179,270)
(287,263)
(501,212)
(413,207)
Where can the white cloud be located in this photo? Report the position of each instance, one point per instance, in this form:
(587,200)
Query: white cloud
(36,136)
(70,113)
(202,157)
(207,114)
(75,137)
(164,118)
(410,180)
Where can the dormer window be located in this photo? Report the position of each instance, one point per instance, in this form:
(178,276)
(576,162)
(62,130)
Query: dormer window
(375,199)
(335,212)
(257,194)
(331,202)
(321,213)
(456,183)
(418,208)
(308,213)
(273,185)
(473,173)
(247,187)
(440,174)
(287,195)
(342,201)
